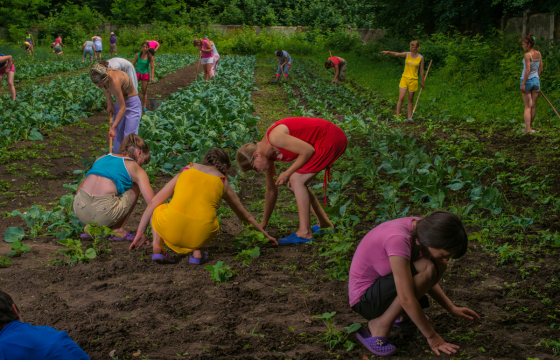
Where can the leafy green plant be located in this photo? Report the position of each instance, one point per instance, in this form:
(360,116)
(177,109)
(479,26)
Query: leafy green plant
(18,249)
(220,272)
(4,262)
(75,253)
(333,337)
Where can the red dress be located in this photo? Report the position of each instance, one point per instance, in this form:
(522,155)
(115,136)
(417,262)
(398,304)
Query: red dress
(328,140)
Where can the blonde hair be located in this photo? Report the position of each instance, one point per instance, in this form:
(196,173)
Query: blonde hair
(131,143)
(245,156)
(415,42)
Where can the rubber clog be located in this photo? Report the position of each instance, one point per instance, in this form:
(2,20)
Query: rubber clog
(315,229)
(163,259)
(377,345)
(293,239)
(127,237)
(196,261)
(144,109)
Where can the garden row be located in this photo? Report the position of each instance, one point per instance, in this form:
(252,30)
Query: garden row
(61,102)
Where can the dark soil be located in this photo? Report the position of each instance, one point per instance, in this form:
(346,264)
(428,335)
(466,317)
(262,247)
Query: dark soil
(122,301)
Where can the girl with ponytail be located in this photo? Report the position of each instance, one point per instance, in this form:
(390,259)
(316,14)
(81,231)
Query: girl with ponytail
(109,192)
(188,222)
(395,266)
(530,84)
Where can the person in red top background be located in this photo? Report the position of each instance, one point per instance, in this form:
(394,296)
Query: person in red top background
(339,65)
(314,144)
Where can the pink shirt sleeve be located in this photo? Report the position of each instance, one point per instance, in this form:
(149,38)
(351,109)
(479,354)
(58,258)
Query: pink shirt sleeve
(398,245)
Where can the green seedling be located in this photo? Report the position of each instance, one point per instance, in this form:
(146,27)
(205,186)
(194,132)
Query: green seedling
(220,272)
(332,337)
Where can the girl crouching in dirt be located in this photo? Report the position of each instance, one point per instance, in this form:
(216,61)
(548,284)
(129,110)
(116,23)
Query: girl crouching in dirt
(313,145)
(188,222)
(109,192)
(394,267)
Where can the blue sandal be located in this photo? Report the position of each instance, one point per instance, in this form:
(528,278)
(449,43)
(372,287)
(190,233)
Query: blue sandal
(315,229)
(293,239)
(144,109)
(196,261)
(163,259)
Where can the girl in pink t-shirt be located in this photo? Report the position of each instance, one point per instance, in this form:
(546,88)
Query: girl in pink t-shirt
(206,56)
(395,266)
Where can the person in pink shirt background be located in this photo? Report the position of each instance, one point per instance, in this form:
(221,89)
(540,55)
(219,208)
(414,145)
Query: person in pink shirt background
(154,46)
(206,56)
(395,266)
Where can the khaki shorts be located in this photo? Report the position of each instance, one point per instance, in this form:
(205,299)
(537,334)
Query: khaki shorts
(113,48)
(342,70)
(106,210)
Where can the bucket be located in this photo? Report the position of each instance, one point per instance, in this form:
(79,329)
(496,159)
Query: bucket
(155,103)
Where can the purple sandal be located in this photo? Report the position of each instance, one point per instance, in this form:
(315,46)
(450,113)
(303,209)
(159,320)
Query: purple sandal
(163,259)
(86,236)
(127,237)
(196,261)
(377,345)
(399,323)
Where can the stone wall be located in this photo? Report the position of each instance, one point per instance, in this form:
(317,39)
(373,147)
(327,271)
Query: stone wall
(544,26)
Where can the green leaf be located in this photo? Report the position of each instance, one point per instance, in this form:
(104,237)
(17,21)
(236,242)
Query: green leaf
(35,136)
(90,253)
(14,234)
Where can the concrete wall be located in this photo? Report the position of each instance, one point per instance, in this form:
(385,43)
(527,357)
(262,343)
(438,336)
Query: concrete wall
(545,26)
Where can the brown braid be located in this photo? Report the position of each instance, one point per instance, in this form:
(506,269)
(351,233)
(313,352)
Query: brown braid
(218,159)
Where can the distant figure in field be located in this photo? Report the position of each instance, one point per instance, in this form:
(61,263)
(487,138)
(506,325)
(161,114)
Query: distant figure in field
(58,46)
(409,80)
(216,56)
(29,39)
(394,267)
(530,83)
(112,187)
(7,66)
(113,44)
(154,46)
(22,341)
(284,61)
(206,56)
(88,48)
(188,222)
(144,64)
(97,40)
(339,65)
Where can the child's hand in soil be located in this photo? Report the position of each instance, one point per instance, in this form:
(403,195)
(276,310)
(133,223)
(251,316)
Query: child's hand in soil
(439,345)
(272,240)
(465,313)
(139,240)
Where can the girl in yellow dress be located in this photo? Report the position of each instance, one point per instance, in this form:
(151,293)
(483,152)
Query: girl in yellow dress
(409,80)
(188,222)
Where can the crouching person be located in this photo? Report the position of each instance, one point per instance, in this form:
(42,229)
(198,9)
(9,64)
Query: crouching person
(394,267)
(21,341)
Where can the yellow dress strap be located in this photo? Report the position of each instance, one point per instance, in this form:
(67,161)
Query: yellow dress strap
(191,165)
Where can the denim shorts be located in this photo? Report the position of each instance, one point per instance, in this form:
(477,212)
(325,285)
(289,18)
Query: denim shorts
(531,84)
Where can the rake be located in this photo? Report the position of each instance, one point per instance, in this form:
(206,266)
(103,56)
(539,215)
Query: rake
(420,93)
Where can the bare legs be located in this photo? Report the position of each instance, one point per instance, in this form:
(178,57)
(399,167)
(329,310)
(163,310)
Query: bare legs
(144,94)
(207,71)
(402,95)
(10,77)
(530,102)
(307,202)
(97,55)
(428,276)
(119,227)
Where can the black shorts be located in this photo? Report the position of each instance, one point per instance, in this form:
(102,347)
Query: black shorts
(379,296)
(152,51)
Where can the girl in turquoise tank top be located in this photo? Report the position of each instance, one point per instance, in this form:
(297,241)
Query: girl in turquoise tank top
(111,189)
(144,64)
(530,83)
(29,39)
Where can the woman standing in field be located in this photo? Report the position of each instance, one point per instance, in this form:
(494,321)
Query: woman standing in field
(113,44)
(7,66)
(58,46)
(339,65)
(530,83)
(109,192)
(127,109)
(314,144)
(88,48)
(394,267)
(216,57)
(144,64)
(409,80)
(97,41)
(189,222)
(206,57)
(154,46)
(29,39)
(284,61)
(125,66)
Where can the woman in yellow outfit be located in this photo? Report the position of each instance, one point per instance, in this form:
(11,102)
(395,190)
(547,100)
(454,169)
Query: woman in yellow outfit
(188,222)
(409,80)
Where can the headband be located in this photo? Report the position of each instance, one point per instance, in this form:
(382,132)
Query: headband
(98,73)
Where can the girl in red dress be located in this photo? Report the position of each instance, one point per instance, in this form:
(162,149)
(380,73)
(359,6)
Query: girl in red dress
(314,144)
